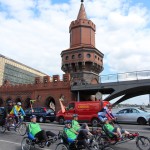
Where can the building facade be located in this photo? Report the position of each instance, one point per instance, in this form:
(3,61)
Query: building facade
(82,62)
(17,73)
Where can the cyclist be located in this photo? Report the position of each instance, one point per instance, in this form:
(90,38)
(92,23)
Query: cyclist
(75,123)
(9,107)
(35,131)
(16,110)
(77,127)
(102,114)
(72,135)
(114,130)
(8,110)
(106,113)
(109,113)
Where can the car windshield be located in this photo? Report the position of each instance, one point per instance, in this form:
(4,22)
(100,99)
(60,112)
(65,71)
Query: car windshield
(50,111)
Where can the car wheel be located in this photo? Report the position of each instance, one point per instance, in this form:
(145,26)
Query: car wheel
(141,121)
(94,122)
(52,120)
(149,122)
(61,120)
(41,120)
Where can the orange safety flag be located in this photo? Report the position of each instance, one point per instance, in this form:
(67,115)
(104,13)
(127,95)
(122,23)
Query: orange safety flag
(31,102)
(62,106)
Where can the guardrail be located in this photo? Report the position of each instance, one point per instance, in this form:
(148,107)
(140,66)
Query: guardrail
(127,76)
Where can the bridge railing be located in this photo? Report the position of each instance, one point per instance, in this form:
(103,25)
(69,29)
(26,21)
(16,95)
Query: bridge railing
(127,76)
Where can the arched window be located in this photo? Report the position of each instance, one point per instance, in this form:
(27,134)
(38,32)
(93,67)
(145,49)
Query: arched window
(88,55)
(67,57)
(79,55)
(73,56)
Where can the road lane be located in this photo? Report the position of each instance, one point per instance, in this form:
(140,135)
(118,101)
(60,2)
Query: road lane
(12,141)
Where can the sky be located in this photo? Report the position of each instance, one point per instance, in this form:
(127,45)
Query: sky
(34,32)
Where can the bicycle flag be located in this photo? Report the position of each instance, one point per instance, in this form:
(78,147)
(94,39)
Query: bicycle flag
(31,102)
(62,106)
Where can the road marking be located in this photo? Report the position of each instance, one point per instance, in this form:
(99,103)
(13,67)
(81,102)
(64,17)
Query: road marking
(9,142)
(137,130)
(20,144)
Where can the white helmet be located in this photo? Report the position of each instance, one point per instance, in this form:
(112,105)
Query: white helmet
(19,103)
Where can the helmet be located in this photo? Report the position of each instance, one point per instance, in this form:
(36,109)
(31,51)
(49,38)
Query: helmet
(67,122)
(19,103)
(105,119)
(75,115)
(33,116)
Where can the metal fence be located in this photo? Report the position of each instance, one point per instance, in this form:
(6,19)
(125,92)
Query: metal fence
(128,76)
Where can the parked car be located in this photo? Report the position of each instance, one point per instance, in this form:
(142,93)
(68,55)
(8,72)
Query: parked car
(42,113)
(2,115)
(132,115)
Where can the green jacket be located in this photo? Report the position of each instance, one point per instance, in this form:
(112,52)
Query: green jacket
(70,133)
(34,128)
(75,125)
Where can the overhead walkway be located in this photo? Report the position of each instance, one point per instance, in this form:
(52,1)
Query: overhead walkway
(127,85)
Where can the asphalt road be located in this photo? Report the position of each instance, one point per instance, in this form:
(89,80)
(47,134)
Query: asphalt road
(12,141)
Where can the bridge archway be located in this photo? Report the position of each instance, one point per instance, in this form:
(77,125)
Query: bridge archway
(50,102)
(128,93)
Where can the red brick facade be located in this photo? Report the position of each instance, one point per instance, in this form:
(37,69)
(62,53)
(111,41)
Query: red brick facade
(42,91)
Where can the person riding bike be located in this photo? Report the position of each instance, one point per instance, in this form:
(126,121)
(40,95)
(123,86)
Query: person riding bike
(73,135)
(9,107)
(36,133)
(106,113)
(102,114)
(16,110)
(77,127)
(109,113)
(114,131)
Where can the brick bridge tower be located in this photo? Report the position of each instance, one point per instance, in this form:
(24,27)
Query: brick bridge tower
(82,60)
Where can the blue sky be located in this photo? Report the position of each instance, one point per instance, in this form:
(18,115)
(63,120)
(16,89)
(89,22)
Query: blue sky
(35,32)
(59,1)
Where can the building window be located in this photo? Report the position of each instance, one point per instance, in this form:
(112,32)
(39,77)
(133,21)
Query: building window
(95,56)
(67,57)
(79,55)
(88,55)
(73,56)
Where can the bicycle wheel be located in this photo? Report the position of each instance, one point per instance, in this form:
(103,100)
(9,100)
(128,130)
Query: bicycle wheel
(61,146)
(143,143)
(22,129)
(26,143)
(3,128)
(95,145)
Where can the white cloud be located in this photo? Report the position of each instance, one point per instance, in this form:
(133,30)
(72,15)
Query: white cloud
(35,32)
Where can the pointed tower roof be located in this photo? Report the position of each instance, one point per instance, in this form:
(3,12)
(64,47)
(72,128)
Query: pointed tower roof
(82,13)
